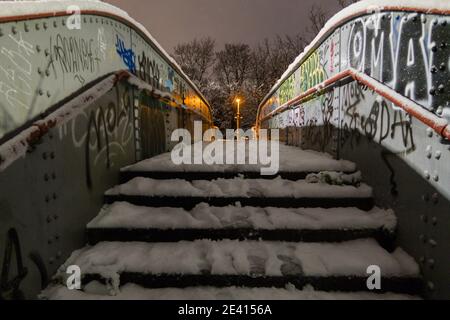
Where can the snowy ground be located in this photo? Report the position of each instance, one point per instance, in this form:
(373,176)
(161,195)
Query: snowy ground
(128,216)
(238,188)
(97,291)
(227,257)
(292,159)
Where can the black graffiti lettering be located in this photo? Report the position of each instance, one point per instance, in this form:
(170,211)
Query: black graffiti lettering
(102,125)
(149,70)
(411,69)
(356,46)
(403,122)
(74,55)
(378,53)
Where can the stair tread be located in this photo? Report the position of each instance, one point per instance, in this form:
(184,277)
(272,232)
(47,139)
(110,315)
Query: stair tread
(242,258)
(238,188)
(97,291)
(292,160)
(123,215)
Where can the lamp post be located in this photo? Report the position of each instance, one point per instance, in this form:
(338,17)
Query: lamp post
(238,117)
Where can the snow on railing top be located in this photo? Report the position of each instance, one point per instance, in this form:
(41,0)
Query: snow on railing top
(357,9)
(18,9)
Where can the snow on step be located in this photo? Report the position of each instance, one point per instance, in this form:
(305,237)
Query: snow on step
(292,159)
(239,188)
(248,258)
(123,215)
(97,291)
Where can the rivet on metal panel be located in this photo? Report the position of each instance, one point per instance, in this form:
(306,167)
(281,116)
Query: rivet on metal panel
(429,152)
(41,92)
(55,24)
(38,48)
(47,52)
(52,155)
(422,238)
(427,175)
(57,237)
(46,178)
(37,26)
(430,286)
(435,198)
(47,73)
(59,254)
(50,241)
(433,89)
(441,88)
(430,132)
(51,260)
(49,219)
(440,111)
(25,27)
(63,22)
(1,32)
(55,217)
(49,94)
(443,22)
(14,30)
(45,25)
(39,71)
(436,176)
(422,259)
(54,176)
(432,243)
(55,196)
(47,199)
(434,221)
(424,218)
(44,156)
(431,263)
(426,197)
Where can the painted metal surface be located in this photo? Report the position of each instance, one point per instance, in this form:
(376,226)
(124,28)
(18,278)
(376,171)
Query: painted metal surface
(376,91)
(94,125)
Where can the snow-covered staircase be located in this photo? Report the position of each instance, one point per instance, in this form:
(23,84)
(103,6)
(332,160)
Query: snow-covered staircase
(186,232)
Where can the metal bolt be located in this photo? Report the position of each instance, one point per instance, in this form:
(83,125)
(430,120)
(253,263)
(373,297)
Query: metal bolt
(435,198)
(36,26)
(434,221)
(427,175)
(441,88)
(47,53)
(432,243)
(440,111)
(430,132)
(45,25)
(436,177)
(49,94)
(41,92)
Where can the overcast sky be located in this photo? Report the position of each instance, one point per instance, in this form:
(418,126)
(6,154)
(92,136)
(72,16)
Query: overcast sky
(249,21)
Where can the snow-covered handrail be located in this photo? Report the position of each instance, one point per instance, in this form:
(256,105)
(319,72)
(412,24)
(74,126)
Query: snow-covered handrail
(367,18)
(45,59)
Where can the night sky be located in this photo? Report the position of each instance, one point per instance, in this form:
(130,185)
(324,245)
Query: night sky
(248,21)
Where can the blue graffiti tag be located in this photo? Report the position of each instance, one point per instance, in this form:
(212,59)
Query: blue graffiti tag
(127,55)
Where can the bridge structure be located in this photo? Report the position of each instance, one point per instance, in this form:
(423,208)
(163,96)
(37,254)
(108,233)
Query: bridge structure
(87,91)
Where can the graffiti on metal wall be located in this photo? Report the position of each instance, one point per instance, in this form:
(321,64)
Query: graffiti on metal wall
(103,132)
(409,53)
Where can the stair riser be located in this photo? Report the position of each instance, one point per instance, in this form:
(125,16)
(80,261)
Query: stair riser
(412,286)
(385,238)
(192,176)
(188,203)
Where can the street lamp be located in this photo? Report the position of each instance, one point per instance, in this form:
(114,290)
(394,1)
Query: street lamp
(238,116)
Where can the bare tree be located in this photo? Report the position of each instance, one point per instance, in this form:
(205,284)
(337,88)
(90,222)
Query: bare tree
(317,18)
(346,3)
(196,59)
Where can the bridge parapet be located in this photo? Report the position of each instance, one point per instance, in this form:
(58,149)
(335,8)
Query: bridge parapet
(374,87)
